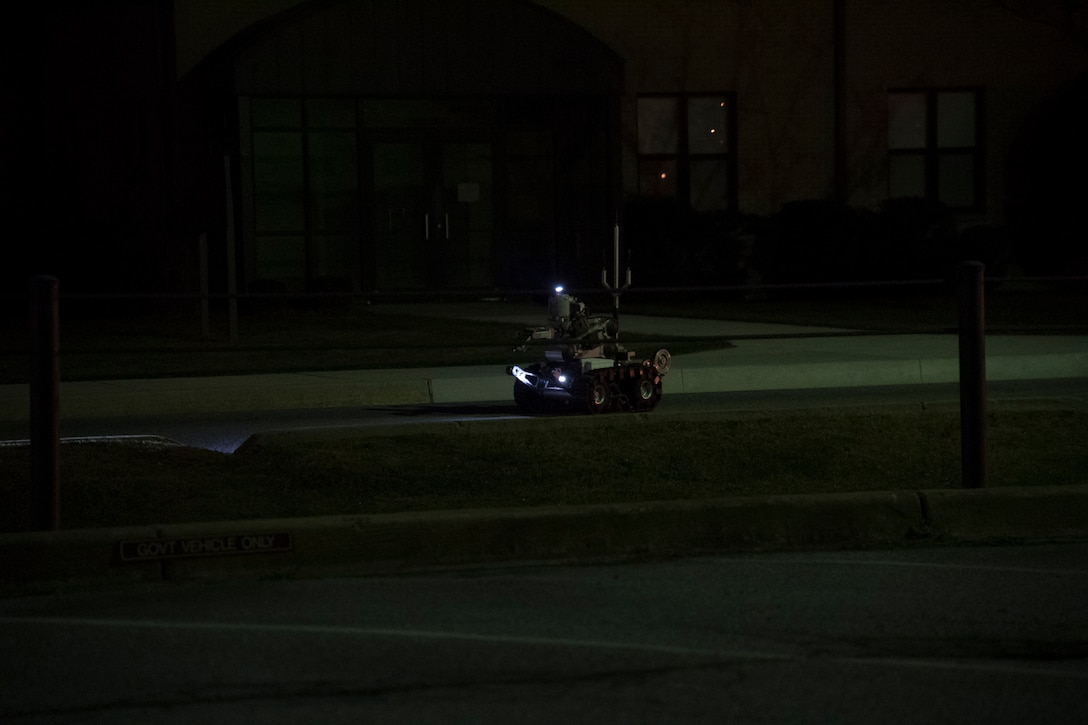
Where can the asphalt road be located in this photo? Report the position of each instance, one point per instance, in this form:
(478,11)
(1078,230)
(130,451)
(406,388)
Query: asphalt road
(957,635)
(225,432)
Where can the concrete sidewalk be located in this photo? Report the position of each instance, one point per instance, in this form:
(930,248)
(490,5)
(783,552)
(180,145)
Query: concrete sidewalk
(764,358)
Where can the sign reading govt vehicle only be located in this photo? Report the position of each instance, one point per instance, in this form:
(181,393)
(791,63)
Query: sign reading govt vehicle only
(204,546)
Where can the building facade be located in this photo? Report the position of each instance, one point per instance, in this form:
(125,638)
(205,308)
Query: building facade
(381,146)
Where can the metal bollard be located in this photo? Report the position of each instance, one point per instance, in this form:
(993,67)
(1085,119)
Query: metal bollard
(972,344)
(45,403)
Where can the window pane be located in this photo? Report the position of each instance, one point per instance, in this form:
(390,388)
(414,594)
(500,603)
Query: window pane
(277,181)
(402,113)
(709,185)
(275,113)
(657,177)
(281,258)
(708,125)
(330,256)
(906,175)
(398,168)
(956,180)
(956,119)
(333,181)
(658,125)
(328,113)
(906,120)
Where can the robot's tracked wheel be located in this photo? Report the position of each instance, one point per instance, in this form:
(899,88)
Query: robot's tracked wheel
(648,392)
(598,396)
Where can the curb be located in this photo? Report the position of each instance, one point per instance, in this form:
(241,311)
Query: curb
(362,545)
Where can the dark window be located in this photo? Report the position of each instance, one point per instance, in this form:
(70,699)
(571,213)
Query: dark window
(305,188)
(686,149)
(935,148)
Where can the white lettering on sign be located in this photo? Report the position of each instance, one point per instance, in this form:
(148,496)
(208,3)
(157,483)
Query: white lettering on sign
(204,546)
(155,549)
(214,545)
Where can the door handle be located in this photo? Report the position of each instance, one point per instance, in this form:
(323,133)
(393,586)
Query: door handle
(445,225)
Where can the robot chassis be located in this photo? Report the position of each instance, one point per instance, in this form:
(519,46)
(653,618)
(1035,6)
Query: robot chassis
(585,366)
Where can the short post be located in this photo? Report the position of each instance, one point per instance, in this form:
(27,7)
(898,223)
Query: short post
(205,306)
(972,344)
(45,403)
(232,279)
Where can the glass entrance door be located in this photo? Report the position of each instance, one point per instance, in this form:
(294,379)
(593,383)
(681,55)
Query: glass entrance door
(400,214)
(433,214)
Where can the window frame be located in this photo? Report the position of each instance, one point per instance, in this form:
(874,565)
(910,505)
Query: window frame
(683,158)
(931,152)
(308,119)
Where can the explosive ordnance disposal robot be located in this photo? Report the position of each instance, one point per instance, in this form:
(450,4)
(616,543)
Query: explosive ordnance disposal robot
(585,367)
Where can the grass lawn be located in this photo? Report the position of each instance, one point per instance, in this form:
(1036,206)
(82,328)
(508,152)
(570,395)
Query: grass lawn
(354,337)
(548,461)
(144,339)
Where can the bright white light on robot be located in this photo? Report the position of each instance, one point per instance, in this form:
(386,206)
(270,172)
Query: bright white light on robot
(521,375)
(559,290)
(562,379)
